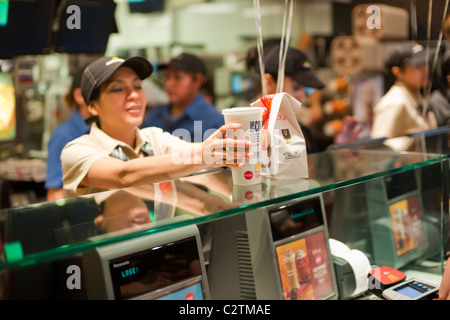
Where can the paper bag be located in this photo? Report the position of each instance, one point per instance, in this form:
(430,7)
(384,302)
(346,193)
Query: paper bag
(283,144)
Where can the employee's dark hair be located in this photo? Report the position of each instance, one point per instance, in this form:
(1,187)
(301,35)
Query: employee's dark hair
(92,119)
(76,83)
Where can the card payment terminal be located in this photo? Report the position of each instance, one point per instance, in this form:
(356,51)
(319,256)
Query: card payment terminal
(411,290)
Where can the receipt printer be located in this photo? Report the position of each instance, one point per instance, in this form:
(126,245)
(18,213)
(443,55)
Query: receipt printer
(351,268)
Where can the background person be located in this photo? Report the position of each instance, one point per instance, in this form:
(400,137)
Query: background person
(74,127)
(185,76)
(399,112)
(440,97)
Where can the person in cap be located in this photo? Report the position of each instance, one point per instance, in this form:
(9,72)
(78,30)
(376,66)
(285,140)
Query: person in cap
(400,111)
(71,129)
(440,97)
(116,153)
(188,114)
(298,77)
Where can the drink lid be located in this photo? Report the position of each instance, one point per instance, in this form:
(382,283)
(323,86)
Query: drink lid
(242,110)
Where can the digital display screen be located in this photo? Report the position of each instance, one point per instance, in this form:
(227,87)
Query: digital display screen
(192,292)
(146,6)
(407,226)
(83,39)
(408,291)
(4,12)
(400,184)
(304,268)
(7,108)
(236,83)
(26,27)
(155,268)
(295,218)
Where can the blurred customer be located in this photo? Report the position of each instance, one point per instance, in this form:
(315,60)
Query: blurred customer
(188,109)
(67,131)
(399,112)
(440,98)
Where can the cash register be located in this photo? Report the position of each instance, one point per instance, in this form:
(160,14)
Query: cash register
(166,265)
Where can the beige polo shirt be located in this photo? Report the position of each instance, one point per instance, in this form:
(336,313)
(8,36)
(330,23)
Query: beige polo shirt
(396,115)
(78,155)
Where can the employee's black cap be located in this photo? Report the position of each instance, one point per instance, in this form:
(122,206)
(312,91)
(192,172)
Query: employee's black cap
(410,55)
(96,73)
(185,62)
(297,67)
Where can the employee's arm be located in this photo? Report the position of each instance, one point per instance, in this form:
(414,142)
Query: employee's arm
(444,289)
(110,172)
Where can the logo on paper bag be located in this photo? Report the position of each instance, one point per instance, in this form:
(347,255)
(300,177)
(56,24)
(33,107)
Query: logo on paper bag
(286,134)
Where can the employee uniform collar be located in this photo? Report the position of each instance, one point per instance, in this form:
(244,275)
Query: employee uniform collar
(414,96)
(110,144)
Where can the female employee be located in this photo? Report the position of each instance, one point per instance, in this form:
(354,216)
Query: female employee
(116,154)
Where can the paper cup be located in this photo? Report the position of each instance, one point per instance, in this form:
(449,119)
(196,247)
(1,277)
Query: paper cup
(250,119)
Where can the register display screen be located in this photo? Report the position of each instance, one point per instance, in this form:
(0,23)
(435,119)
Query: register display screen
(304,268)
(298,217)
(303,261)
(408,291)
(186,292)
(144,272)
(407,224)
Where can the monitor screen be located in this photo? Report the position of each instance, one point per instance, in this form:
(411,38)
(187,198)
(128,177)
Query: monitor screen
(408,291)
(304,268)
(161,270)
(27,28)
(236,83)
(7,108)
(146,6)
(295,218)
(300,241)
(400,184)
(186,290)
(91,36)
(407,226)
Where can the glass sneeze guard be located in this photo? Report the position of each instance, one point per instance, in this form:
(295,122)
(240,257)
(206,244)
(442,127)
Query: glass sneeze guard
(54,230)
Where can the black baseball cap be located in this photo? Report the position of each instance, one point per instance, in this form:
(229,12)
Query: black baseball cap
(96,73)
(297,67)
(185,62)
(409,55)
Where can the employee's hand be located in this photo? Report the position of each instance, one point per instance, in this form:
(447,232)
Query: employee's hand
(222,149)
(444,290)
